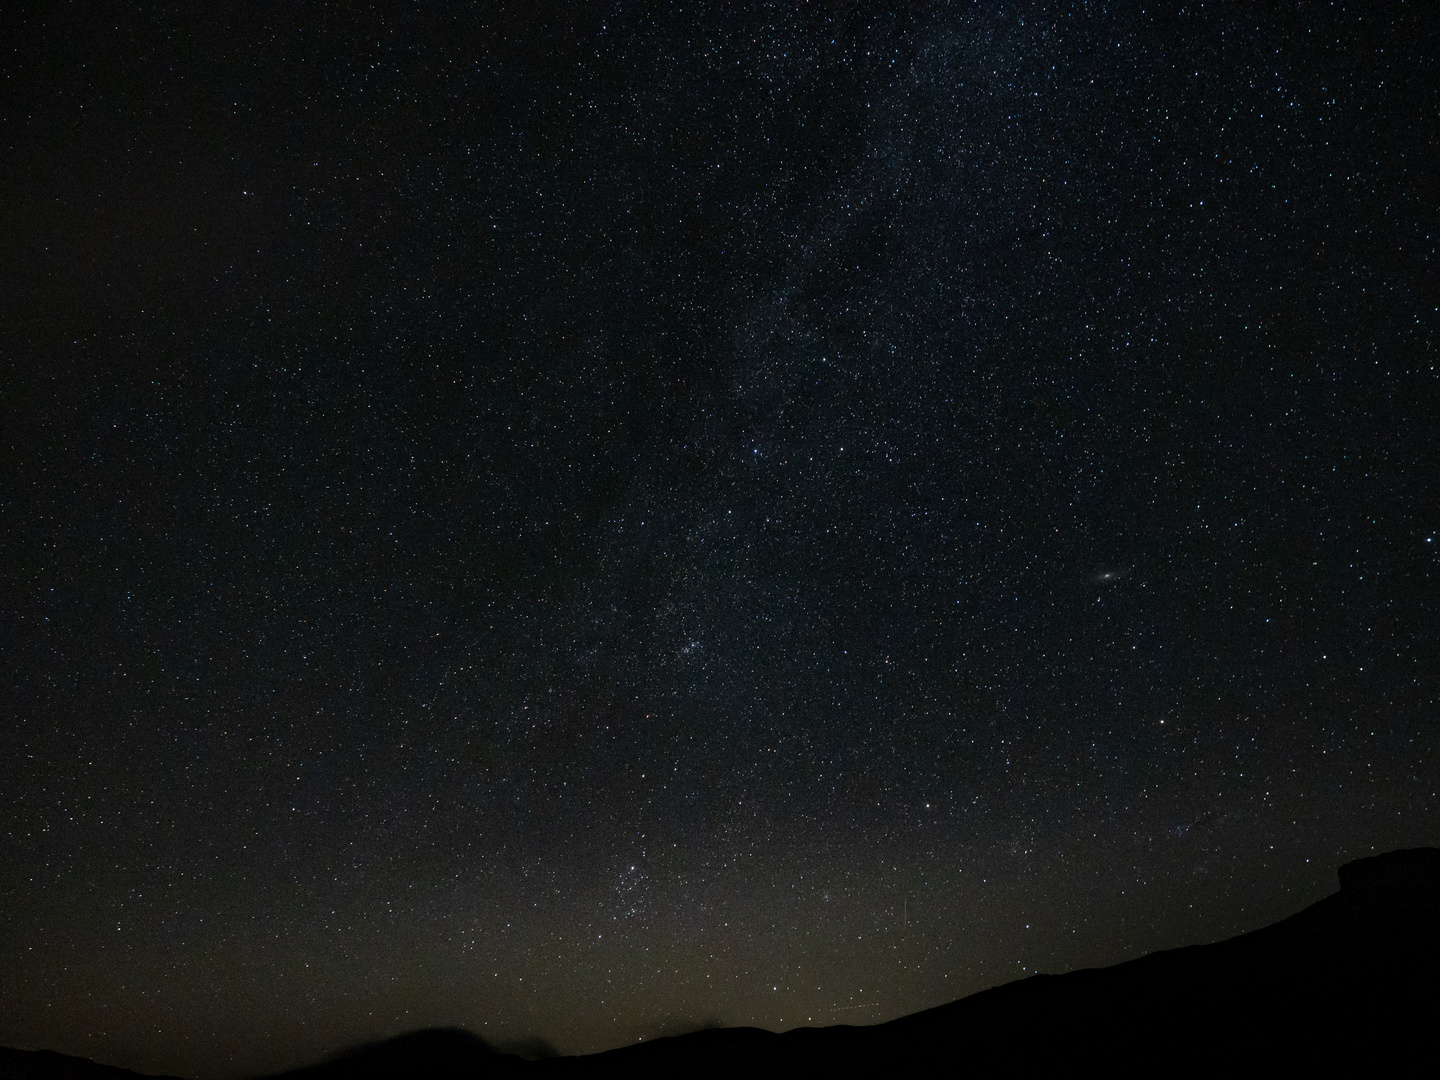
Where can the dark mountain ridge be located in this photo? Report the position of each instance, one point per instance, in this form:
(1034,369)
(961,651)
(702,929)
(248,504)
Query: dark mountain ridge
(1350,982)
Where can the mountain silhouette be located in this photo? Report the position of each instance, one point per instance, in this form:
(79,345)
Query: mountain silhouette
(435,1054)
(1350,982)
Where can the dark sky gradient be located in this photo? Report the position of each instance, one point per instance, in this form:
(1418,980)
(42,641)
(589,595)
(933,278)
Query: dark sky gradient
(584,525)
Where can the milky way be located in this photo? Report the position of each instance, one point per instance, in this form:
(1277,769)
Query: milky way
(697,515)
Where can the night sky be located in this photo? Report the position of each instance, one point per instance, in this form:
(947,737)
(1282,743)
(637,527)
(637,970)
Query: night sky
(591,523)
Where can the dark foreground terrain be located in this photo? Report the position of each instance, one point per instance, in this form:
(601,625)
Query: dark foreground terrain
(1350,982)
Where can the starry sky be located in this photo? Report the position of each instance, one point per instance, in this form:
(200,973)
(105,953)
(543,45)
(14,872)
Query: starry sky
(589,521)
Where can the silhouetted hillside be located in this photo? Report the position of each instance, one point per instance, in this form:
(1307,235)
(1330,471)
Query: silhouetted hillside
(1349,981)
(48,1065)
(436,1054)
